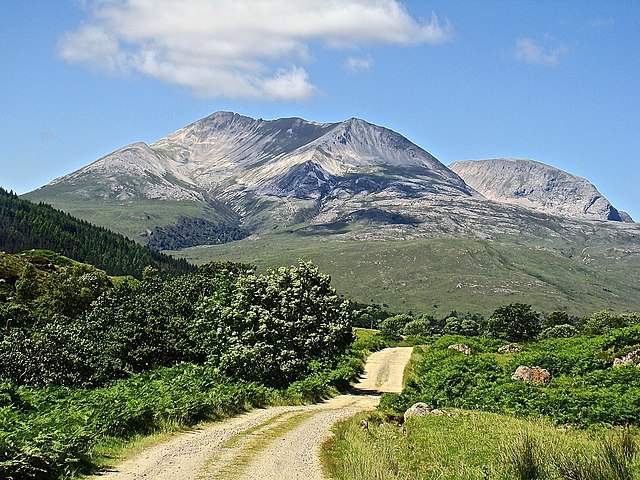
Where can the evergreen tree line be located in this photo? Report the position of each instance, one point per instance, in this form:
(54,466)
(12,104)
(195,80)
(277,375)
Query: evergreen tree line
(25,225)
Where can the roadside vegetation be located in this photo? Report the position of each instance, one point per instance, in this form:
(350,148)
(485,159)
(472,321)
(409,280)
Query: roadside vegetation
(472,445)
(88,361)
(582,424)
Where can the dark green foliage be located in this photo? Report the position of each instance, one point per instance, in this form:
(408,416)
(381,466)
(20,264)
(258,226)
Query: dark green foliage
(25,225)
(27,287)
(553,319)
(456,326)
(418,327)
(114,361)
(584,390)
(269,327)
(189,232)
(84,331)
(605,321)
(50,433)
(392,328)
(515,322)
(368,315)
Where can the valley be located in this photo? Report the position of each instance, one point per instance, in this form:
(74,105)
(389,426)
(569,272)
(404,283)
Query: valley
(444,274)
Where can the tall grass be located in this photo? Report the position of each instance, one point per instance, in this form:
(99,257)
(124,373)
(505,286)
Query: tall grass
(525,458)
(478,446)
(614,459)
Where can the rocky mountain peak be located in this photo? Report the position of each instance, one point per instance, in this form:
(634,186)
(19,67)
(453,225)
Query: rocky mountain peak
(537,186)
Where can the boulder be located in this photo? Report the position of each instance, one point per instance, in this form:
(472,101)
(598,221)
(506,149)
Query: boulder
(534,375)
(510,348)
(418,410)
(632,358)
(460,347)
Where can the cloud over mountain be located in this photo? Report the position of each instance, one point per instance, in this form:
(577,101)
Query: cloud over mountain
(237,48)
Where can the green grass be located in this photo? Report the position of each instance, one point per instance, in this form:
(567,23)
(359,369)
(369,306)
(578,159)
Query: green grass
(465,446)
(440,275)
(132,218)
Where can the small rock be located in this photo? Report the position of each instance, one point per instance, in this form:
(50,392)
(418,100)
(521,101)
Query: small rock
(364,425)
(417,410)
(632,358)
(535,375)
(510,348)
(460,347)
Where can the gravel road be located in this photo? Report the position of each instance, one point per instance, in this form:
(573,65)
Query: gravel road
(277,443)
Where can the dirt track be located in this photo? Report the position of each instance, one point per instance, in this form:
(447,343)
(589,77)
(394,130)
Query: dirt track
(277,443)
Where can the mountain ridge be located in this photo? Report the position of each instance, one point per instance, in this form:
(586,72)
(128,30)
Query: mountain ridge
(351,179)
(536,185)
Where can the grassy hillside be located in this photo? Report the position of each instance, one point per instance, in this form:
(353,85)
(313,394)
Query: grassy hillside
(132,218)
(447,274)
(26,225)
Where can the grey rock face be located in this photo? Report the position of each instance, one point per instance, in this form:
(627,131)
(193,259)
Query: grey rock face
(537,186)
(625,217)
(351,179)
(418,410)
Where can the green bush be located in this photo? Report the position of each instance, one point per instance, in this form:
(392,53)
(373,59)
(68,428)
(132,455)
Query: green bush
(269,328)
(456,326)
(516,322)
(559,331)
(585,390)
(605,321)
(393,328)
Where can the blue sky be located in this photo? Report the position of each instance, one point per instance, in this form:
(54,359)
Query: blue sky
(556,81)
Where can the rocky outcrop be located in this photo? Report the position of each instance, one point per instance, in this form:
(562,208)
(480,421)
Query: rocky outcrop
(510,348)
(632,358)
(626,217)
(460,347)
(534,375)
(417,410)
(537,186)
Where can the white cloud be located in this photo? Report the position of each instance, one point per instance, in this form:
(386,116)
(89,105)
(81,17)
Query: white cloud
(238,48)
(358,64)
(528,51)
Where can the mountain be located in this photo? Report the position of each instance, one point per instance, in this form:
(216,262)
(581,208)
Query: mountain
(538,186)
(389,221)
(26,226)
(239,172)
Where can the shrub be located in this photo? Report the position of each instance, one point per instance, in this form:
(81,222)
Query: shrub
(559,331)
(605,321)
(584,389)
(269,328)
(393,327)
(417,327)
(455,326)
(515,322)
